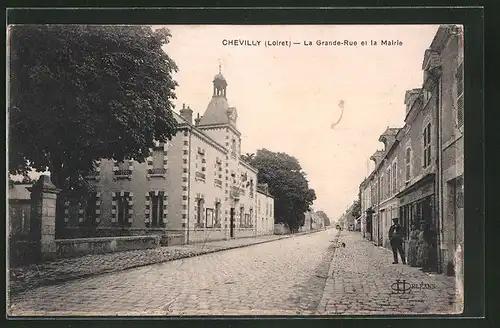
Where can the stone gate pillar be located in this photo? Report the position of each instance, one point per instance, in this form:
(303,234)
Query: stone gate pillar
(43,217)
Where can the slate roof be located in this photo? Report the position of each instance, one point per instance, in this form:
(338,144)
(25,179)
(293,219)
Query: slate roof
(216,112)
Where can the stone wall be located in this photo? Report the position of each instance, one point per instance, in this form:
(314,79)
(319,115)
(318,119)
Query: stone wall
(83,246)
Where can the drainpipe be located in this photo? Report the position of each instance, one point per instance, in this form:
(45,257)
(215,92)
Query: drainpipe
(439,162)
(378,207)
(189,186)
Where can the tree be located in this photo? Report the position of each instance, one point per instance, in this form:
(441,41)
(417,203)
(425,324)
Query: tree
(82,93)
(25,180)
(287,183)
(325,217)
(356,209)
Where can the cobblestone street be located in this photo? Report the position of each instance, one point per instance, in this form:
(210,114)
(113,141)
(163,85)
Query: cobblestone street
(292,276)
(362,281)
(280,277)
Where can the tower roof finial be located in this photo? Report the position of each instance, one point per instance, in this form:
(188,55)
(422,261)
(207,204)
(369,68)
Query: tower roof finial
(219,66)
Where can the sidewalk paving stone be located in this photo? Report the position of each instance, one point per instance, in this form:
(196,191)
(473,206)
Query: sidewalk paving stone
(362,280)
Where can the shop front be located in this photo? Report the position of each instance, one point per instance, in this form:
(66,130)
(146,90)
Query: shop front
(417,207)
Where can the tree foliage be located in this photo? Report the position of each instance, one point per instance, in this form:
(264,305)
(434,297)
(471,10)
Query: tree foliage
(82,93)
(325,217)
(287,183)
(356,209)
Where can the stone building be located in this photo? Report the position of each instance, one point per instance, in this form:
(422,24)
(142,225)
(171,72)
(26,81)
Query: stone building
(443,65)
(366,207)
(312,221)
(348,220)
(418,177)
(193,188)
(265,211)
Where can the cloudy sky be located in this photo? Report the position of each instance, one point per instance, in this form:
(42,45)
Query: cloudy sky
(287,97)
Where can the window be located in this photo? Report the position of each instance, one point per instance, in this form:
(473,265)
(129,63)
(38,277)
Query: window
(242,217)
(199,212)
(389,182)
(251,188)
(382,185)
(250,218)
(427,146)
(247,220)
(427,96)
(233,147)
(90,209)
(124,207)
(210,217)
(394,178)
(157,208)
(157,165)
(217,213)
(460,94)
(408,164)
(123,169)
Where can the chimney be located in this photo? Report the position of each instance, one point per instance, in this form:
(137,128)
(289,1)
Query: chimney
(187,113)
(197,119)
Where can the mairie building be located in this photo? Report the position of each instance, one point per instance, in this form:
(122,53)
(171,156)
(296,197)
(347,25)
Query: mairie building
(193,188)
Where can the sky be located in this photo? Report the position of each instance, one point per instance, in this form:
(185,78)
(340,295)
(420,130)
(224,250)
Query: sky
(288,97)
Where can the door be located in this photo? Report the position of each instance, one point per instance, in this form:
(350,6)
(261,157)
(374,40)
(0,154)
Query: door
(231,223)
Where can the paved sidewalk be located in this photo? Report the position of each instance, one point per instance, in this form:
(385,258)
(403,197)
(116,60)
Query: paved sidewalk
(362,281)
(50,273)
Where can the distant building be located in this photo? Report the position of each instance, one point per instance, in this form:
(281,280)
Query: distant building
(348,220)
(312,221)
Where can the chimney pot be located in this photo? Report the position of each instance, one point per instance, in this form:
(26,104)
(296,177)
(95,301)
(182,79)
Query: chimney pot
(183,106)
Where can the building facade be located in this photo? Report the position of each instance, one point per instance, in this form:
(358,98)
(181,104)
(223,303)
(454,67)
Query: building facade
(265,211)
(312,221)
(195,187)
(419,177)
(446,72)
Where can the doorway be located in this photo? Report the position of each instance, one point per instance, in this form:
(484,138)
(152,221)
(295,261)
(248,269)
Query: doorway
(231,223)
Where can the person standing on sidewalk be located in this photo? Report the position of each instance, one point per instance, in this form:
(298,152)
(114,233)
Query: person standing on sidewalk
(396,239)
(412,253)
(423,245)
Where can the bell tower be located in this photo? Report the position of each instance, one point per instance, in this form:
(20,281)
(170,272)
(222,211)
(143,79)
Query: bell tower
(220,84)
